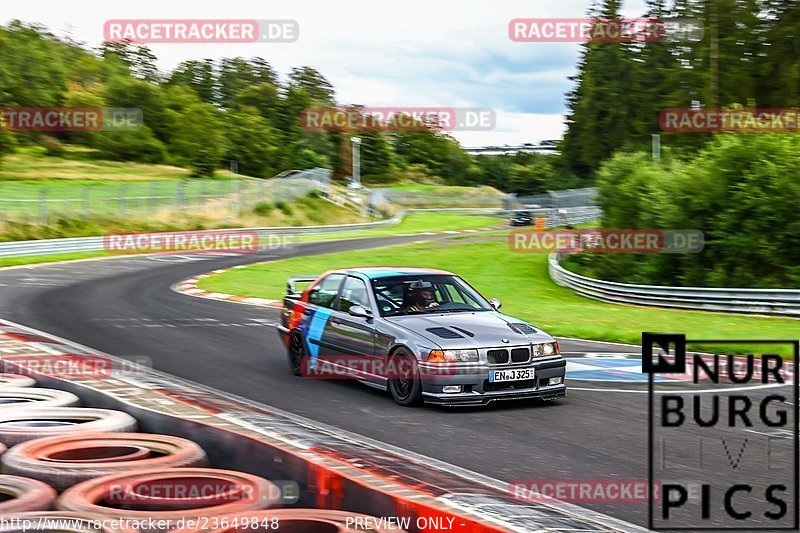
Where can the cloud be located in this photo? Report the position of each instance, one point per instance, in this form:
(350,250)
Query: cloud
(413,53)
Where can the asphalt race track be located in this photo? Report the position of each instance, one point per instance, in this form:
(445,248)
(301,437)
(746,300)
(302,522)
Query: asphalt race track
(124,306)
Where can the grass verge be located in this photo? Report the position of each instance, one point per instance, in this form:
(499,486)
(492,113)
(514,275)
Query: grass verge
(522,283)
(416,222)
(52,258)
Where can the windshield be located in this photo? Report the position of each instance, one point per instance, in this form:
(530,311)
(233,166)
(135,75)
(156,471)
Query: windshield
(409,295)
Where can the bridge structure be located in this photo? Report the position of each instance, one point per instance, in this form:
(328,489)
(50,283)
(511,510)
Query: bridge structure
(543,147)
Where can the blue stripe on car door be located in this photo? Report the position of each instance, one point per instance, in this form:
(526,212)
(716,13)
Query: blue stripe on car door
(315,330)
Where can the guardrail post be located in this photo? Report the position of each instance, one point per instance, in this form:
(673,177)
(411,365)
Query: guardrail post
(86,193)
(179,195)
(203,203)
(121,197)
(151,191)
(43,215)
(239,198)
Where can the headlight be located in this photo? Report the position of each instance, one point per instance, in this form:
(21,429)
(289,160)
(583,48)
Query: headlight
(548,348)
(453,356)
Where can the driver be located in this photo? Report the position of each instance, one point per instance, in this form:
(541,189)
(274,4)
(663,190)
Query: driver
(421,297)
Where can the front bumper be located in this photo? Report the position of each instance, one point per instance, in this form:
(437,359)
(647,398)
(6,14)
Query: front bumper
(478,391)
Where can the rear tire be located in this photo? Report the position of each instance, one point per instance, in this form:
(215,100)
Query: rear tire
(296,352)
(406,388)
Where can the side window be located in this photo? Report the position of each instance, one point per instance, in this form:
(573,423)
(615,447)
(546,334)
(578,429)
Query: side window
(324,293)
(354,293)
(455,295)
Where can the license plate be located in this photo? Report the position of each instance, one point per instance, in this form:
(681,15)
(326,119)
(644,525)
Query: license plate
(516,374)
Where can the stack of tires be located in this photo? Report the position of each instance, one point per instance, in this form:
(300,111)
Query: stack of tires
(67,468)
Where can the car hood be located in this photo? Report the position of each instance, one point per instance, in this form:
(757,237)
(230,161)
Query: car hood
(488,329)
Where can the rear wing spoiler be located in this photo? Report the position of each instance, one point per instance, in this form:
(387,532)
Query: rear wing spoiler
(290,285)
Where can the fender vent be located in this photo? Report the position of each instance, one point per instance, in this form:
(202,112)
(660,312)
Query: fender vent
(465,332)
(445,333)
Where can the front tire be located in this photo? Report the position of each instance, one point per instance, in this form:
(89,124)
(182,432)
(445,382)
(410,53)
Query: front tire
(406,387)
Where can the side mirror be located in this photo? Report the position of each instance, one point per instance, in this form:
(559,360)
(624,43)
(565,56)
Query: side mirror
(360,311)
(497,304)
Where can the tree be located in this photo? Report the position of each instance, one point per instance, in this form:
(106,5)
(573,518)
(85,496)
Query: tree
(237,74)
(140,60)
(313,83)
(601,116)
(439,153)
(145,96)
(376,156)
(197,138)
(33,75)
(262,98)
(199,75)
(252,143)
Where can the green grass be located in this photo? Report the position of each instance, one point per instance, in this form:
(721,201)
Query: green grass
(82,183)
(521,282)
(415,223)
(438,189)
(311,211)
(81,166)
(38,259)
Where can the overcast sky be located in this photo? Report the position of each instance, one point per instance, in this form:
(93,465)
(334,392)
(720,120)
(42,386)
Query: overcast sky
(416,53)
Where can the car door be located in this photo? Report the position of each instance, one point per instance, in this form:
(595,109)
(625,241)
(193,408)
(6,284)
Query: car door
(354,337)
(322,298)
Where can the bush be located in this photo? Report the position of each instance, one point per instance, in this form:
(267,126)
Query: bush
(741,192)
(7,142)
(285,208)
(263,209)
(52,146)
(135,145)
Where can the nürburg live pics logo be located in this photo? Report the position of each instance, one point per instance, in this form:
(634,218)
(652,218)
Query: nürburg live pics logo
(723,445)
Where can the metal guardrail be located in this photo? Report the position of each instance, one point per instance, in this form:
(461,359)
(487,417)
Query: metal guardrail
(95,244)
(42,204)
(561,198)
(784,302)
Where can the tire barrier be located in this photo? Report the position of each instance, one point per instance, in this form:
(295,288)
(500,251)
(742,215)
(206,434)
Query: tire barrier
(167,496)
(317,467)
(15,380)
(292,521)
(20,425)
(64,461)
(57,522)
(19,494)
(18,397)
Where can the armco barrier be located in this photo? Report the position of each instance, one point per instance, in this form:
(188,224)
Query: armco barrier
(755,301)
(95,244)
(332,470)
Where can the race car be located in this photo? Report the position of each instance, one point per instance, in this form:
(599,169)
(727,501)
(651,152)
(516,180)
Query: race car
(521,218)
(424,335)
